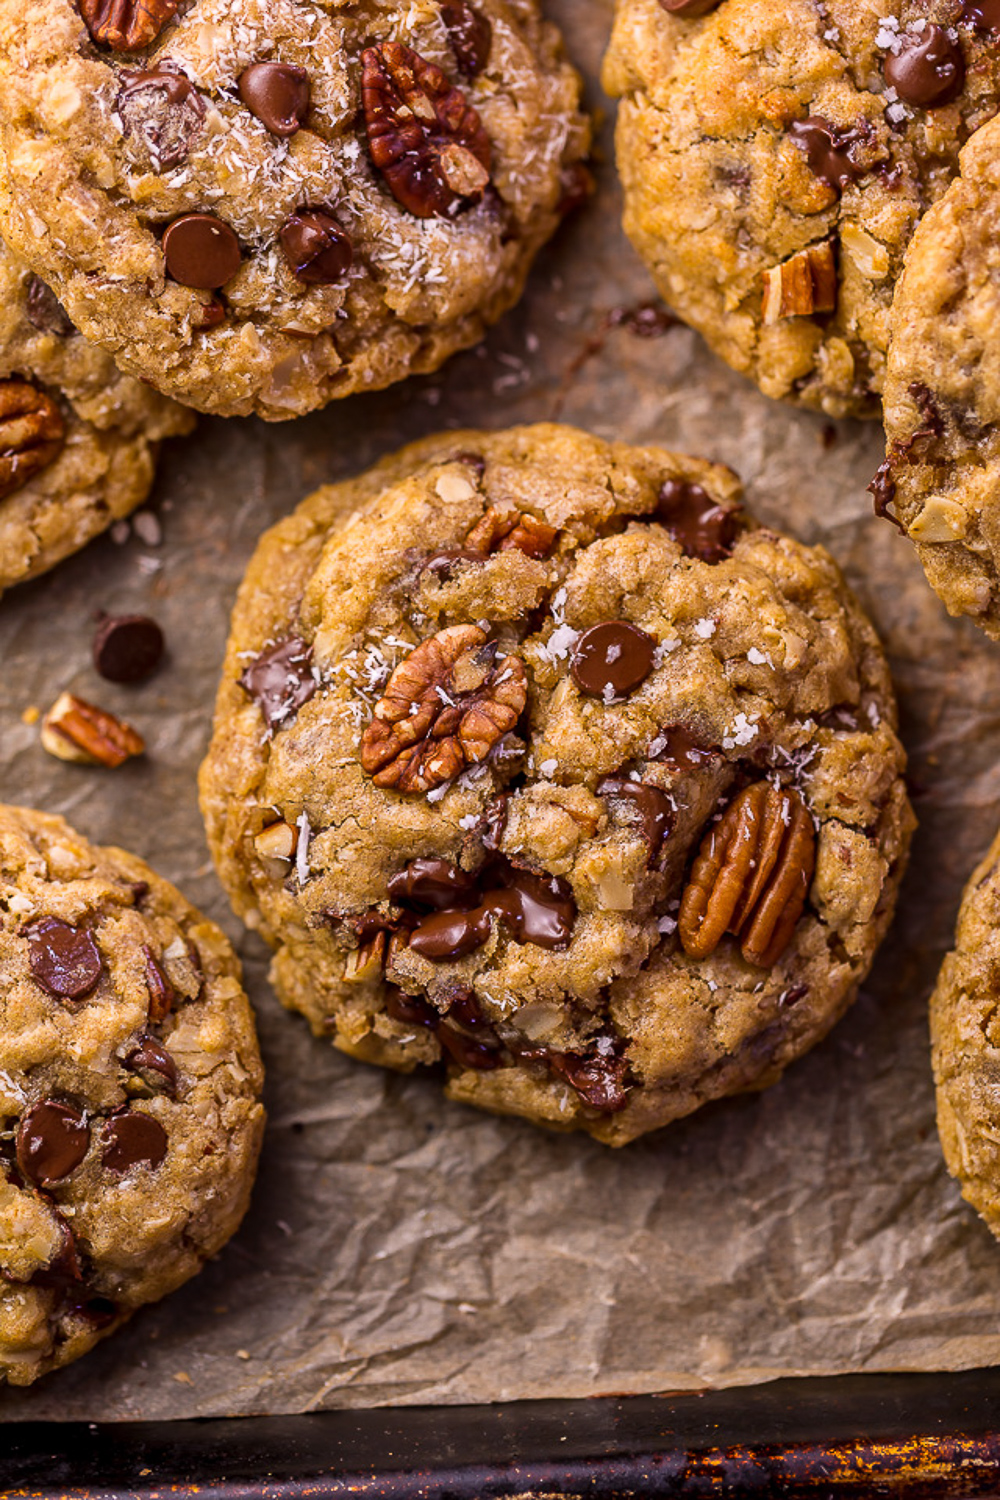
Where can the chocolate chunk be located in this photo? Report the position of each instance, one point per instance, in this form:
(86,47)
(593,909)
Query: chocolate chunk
(651,809)
(277,94)
(52,1140)
(317,249)
(64,960)
(928,69)
(611,660)
(164,110)
(536,909)
(470,34)
(45,311)
(201,251)
(434,885)
(689,8)
(127,648)
(281,680)
(828,150)
(984,15)
(467,1051)
(161,991)
(151,1060)
(133,1139)
(598,1077)
(409,1010)
(699,525)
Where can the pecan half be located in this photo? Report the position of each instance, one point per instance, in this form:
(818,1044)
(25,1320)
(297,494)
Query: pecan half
(31,433)
(751,876)
(506,530)
(126,25)
(78,731)
(424,136)
(802,285)
(445,707)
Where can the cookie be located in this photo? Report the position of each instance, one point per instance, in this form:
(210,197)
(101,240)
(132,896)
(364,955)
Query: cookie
(965,1040)
(776,160)
(941,476)
(260,206)
(505,726)
(78,439)
(129,1092)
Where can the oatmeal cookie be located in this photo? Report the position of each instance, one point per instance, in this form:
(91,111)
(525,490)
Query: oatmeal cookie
(260,206)
(78,439)
(533,753)
(941,477)
(965,1039)
(129,1092)
(776,159)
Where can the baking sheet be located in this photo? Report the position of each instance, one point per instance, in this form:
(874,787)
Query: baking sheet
(401,1249)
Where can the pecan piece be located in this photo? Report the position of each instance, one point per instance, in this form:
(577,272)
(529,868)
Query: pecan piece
(505,530)
(424,136)
(126,25)
(31,433)
(751,876)
(802,285)
(79,731)
(445,707)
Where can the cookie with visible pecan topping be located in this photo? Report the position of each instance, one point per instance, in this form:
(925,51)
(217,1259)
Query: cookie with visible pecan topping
(129,1092)
(348,197)
(78,439)
(776,161)
(582,783)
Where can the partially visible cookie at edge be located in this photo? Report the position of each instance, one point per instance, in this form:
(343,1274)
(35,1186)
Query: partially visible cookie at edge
(505,725)
(78,439)
(941,477)
(130,1080)
(776,159)
(261,208)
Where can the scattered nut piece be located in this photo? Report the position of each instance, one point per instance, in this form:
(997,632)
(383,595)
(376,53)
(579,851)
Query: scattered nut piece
(366,964)
(870,257)
(32,433)
(276,841)
(941,520)
(807,283)
(77,731)
(508,529)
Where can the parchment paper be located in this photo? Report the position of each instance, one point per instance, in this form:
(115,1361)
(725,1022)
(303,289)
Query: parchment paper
(401,1249)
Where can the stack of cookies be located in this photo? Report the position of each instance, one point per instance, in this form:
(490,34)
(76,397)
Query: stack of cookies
(537,759)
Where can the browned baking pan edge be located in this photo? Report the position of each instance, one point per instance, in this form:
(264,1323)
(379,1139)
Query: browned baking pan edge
(897,1435)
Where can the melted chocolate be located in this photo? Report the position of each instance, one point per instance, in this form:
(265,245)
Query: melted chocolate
(468,1051)
(828,150)
(699,525)
(675,747)
(651,809)
(598,1077)
(52,1140)
(65,960)
(434,885)
(983,15)
(280,680)
(536,909)
(151,1060)
(612,659)
(409,1010)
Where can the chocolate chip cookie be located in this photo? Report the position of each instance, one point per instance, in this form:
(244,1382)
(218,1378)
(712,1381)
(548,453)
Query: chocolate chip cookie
(776,160)
(941,476)
(78,439)
(535,755)
(129,1092)
(259,208)
(965,1040)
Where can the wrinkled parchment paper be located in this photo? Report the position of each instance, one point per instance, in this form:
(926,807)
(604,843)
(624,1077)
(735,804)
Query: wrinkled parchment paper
(401,1249)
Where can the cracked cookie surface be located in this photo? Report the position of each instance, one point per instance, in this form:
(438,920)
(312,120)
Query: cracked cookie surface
(965,1039)
(533,753)
(259,207)
(129,1091)
(941,477)
(78,439)
(776,159)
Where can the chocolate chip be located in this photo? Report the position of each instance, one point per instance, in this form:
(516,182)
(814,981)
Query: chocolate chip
(647,320)
(468,1051)
(651,809)
(598,1077)
(127,648)
(928,68)
(151,1060)
(161,991)
(470,34)
(984,15)
(45,311)
(828,150)
(133,1139)
(201,251)
(164,111)
(409,1010)
(63,1272)
(676,747)
(64,960)
(611,660)
(434,885)
(316,248)
(474,461)
(442,564)
(689,8)
(699,525)
(277,93)
(281,680)
(52,1140)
